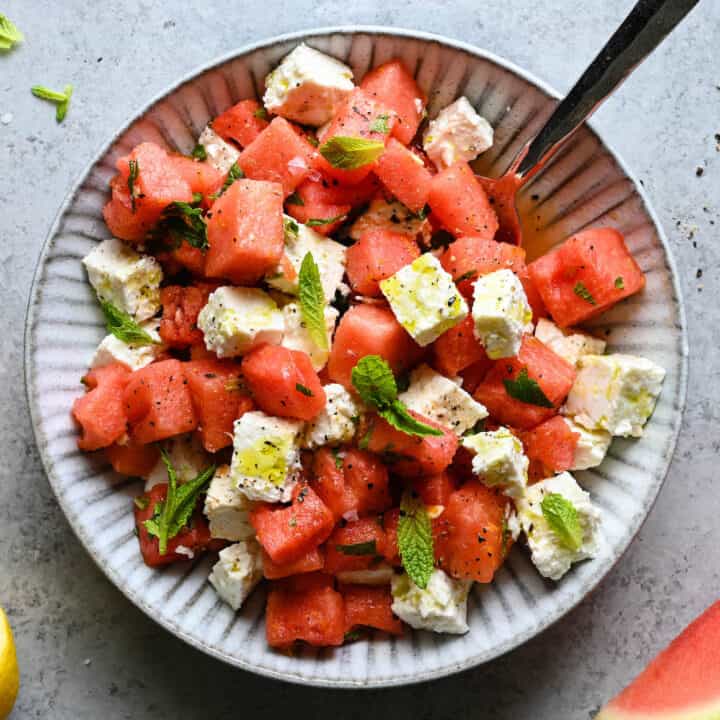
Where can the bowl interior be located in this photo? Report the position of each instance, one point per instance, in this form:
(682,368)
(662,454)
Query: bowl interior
(585,185)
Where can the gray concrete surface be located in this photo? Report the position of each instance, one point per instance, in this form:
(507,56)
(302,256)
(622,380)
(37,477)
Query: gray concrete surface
(85,651)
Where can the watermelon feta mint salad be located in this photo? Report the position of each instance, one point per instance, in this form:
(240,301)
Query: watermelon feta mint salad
(330,373)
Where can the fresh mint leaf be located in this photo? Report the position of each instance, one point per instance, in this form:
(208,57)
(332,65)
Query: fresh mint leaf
(361,548)
(380,124)
(562,517)
(526,390)
(469,275)
(312,301)
(9,33)
(199,152)
(375,383)
(261,113)
(294,199)
(338,459)
(415,540)
(184,222)
(619,283)
(349,153)
(316,222)
(582,292)
(234,173)
(290,227)
(61,99)
(304,390)
(133,171)
(141,502)
(123,326)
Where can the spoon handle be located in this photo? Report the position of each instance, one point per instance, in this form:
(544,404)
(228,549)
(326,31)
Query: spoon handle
(649,22)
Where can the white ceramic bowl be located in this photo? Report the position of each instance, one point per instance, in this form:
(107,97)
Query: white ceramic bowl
(587,185)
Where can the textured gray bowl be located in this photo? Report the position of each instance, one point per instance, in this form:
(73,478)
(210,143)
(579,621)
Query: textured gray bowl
(586,185)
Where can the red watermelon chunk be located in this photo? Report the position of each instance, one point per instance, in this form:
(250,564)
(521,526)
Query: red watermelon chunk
(404,174)
(354,546)
(367,606)
(132,459)
(328,481)
(458,348)
(279,154)
(394,87)
(682,682)
(181,306)
(554,376)
(436,489)
(307,608)
(586,275)
(366,478)
(283,382)
(311,561)
(469,538)
(157,402)
(202,177)
(245,232)
(100,413)
(550,447)
(289,532)
(391,518)
(368,330)
(314,201)
(241,123)
(459,202)
(377,255)
(217,398)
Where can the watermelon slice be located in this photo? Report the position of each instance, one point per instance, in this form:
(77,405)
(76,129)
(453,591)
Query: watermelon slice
(681,683)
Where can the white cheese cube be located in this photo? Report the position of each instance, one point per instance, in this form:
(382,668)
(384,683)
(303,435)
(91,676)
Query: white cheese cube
(337,423)
(512,526)
(113,350)
(236,319)
(457,133)
(227,509)
(307,86)
(440,607)
(424,299)
(125,278)
(591,448)
(569,344)
(499,460)
(188,458)
(616,393)
(329,256)
(442,400)
(297,336)
(549,555)
(220,153)
(501,313)
(380,574)
(236,573)
(266,456)
(391,215)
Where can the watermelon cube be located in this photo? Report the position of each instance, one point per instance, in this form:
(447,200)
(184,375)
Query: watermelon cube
(202,177)
(157,402)
(367,606)
(436,489)
(279,154)
(132,459)
(377,255)
(311,561)
(458,348)
(550,447)
(394,87)
(586,275)
(328,481)
(355,545)
(245,232)
(241,123)
(366,478)
(307,608)
(404,174)
(541,368)
(180,308)
(289,532)
(459,202)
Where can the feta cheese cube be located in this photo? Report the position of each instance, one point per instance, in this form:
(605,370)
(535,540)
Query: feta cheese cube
(591,448)
(307,86)
(457,133)
(236,319)
(512,527)
(440,607)
(501,313)
(266,456)
(188,458)
(499,460)
(227,509)
(113,350)
(616,393)
(125,278)
(329,256)
(297,336)
(549,555)
(424,299)
(220,153)
(236,573)
(392,215)
(442,400)
(380,574)
(569,344)
(337,423)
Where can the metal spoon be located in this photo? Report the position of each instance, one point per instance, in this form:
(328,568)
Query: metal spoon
(647,25)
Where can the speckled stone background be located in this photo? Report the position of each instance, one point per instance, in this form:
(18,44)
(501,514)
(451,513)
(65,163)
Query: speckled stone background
(85,651)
